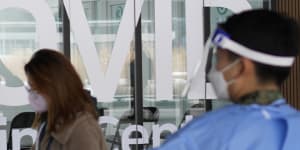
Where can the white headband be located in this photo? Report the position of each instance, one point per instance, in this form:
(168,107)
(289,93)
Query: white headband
(221,39)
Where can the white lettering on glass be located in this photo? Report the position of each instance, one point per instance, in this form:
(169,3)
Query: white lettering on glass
(18,134)
(163,49)
(104,84)
(46,35)
(157,130)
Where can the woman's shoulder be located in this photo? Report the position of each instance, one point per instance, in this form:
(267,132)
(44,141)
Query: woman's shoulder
(86,134)
(83,126)
(85,120)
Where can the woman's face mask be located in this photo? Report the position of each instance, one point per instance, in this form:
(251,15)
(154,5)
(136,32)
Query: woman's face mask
(37,101)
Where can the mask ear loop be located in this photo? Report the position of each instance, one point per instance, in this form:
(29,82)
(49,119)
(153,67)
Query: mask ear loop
(200,65)
(231,65)
(228,67)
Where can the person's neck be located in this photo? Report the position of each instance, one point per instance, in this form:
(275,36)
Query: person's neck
(268,87)
(260,98)
(251,89)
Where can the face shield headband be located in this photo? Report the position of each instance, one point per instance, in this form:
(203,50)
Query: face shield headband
(222,39)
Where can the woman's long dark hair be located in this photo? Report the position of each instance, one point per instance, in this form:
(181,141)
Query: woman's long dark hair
(52,75)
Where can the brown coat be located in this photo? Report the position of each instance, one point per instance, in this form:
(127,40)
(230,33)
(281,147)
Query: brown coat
(84,134)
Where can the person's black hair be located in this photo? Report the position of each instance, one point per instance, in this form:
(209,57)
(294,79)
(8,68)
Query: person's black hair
(268,32)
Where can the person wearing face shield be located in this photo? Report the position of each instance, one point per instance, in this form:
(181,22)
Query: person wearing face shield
(253,53)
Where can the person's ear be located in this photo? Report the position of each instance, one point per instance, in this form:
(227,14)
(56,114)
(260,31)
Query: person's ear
(247,67)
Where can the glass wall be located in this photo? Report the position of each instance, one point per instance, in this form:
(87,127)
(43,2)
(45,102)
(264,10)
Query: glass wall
(19,40)
(104,18)
(171,110)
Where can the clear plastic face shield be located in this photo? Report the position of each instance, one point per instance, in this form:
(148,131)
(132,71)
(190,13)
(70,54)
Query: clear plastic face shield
(221,39)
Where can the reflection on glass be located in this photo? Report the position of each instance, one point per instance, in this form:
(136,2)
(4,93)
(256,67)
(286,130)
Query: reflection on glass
(18,41)
(103,17)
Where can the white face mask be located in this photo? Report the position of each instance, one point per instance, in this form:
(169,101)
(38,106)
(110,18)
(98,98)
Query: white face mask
(37,101)
(218,81)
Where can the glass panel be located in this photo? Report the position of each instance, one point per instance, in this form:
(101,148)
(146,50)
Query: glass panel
(103,18)
(178,110)
(172,110)
(18,41)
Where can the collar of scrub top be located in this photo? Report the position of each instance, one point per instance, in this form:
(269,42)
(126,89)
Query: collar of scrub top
(222,39)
